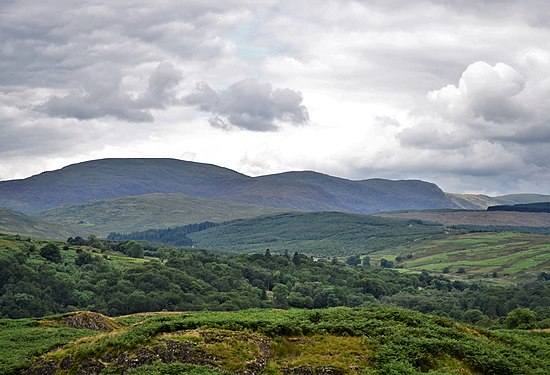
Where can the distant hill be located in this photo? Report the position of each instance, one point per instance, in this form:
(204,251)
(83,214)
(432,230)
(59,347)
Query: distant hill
(17,223)
(502,257)
(364,196)
(110,178)
(322,234)
(480,218)
(140,212)
(528,207)
(305,191)
(481,202)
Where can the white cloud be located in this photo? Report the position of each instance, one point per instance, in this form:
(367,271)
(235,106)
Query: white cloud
(362,70)
(487,125)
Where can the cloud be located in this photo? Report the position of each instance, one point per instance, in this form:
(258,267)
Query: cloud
(101,96)
(81,74)
(484,92)
(161,83)
(250,104)
(493,103)
(489,124)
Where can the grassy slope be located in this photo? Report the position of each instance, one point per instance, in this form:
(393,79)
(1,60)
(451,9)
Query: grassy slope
(482,218)
(22,340)
(321,234)
(481,202)
(514,256)
(17,223)
(142,212)
(342,340)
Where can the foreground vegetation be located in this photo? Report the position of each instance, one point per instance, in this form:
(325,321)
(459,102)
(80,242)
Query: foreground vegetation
(337,341)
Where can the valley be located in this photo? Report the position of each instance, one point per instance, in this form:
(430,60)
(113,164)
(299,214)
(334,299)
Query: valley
(392,276)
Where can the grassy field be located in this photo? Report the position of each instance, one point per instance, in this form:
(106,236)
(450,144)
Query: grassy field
(512,256)
(337,340)
(23,340)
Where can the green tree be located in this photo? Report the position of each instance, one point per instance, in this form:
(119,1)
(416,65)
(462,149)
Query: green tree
(95,242)
(133,249)
(83,257)
(353,260)
(473,316)
(521,318)
(280,294)
(51,252)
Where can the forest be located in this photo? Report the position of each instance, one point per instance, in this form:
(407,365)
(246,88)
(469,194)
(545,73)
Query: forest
(526,207)
(175,235)
(39,278)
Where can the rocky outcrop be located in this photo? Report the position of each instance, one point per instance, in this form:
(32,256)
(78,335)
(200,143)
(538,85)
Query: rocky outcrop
(89,320)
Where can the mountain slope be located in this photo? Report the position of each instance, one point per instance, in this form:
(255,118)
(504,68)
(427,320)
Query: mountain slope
(17,223)
(307,191)
(140,212)
(479,218)
(481,202)
(322,234)
(367,196)
(109,178)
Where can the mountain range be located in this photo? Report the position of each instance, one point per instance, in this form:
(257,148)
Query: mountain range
(304,191)
(126,195)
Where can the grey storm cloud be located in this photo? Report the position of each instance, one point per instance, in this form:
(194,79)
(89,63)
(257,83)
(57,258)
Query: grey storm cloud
(251,105)
(162,81)
(101,96)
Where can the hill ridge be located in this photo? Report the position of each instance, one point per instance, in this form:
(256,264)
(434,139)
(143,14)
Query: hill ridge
(295,190)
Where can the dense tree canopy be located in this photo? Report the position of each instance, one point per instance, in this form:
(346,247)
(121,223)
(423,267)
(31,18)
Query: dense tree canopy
(179,279)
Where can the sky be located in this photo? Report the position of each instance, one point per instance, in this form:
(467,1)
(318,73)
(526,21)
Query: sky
(452,92)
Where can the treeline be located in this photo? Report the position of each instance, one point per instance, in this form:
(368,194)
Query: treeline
(34,284)
(174,236)
(494,228)
(526,207)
